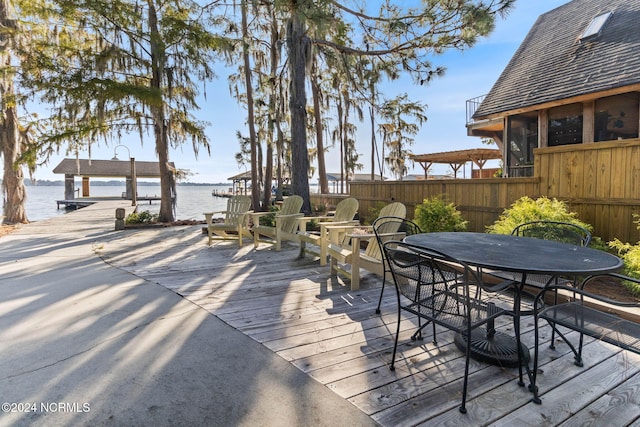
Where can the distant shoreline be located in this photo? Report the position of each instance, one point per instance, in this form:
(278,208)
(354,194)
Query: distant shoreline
(59,183)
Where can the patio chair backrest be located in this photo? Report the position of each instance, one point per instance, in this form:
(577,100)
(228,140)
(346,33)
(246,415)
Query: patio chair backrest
(426,277)
(392,210)
(346,210)
(558,231)
(290,206)
(393,228)
(388,228)
(236,206)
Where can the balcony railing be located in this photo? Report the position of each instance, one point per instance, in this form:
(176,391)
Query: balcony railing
(472,106)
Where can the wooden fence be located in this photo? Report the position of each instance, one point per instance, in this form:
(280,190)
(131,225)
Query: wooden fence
(599,181)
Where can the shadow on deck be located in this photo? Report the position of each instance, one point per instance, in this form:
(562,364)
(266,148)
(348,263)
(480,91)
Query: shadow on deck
(293,307)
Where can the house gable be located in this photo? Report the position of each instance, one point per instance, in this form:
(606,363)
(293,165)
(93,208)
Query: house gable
(554,63)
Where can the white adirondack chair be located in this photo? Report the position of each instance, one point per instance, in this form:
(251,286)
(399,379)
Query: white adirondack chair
(344,249)
(236,221)
(345,211)
(286,227)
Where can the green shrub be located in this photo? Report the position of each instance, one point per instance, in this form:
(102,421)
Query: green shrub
(630,254)
(599,244)
(144,217)
(319,210)
(526,209)
(313,225)
(269,219)
(436,214)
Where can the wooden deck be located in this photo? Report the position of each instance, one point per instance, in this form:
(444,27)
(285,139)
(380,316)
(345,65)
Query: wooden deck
(295,309)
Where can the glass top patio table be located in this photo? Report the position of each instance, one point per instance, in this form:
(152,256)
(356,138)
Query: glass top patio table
(524,255)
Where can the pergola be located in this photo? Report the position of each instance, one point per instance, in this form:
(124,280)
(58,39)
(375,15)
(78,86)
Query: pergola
(457,159)
(241,183)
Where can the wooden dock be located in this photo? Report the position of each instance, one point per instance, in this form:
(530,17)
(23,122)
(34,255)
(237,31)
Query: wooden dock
(294,308)
(74,203)
(149,199)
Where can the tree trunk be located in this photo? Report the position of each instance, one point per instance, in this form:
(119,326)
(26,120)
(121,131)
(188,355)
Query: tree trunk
(255,188)
(322,168)
(280,152)
(166,213)
(10,139)
(298,47)
(373,144)
(277,97)
(274,61)
(167,195)
(343,154)
(13,180)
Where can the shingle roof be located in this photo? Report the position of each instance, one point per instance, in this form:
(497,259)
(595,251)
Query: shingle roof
(246,176)
(552,62)
(108,168)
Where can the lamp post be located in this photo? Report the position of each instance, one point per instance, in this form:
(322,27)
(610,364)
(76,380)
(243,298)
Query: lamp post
(134,189)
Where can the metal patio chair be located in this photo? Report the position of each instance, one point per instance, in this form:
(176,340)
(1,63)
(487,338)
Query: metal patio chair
(391,228)
(586,311)
(558,231)
(440,290)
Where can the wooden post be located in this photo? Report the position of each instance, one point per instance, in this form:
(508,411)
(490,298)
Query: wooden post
(134,183)
(69,191)
(127,186)
(85,186)
(588,118)
(120,213)
(543,128)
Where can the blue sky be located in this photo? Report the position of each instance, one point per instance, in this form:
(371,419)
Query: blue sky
(469,74)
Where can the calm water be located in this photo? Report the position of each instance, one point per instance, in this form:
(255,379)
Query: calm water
(192,201)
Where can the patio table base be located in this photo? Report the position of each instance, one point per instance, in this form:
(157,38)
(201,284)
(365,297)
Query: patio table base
(497,348)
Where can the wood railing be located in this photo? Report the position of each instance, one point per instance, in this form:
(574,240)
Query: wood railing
(599,181)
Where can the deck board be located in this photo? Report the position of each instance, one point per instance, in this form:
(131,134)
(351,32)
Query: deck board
(294,308)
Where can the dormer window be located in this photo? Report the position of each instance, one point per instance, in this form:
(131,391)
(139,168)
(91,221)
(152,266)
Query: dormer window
(595,26)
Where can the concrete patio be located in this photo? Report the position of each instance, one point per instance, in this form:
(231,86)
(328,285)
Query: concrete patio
(87,343)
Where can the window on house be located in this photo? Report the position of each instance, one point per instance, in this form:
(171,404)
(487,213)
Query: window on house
(616,117)
(522,134)
(565,125)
